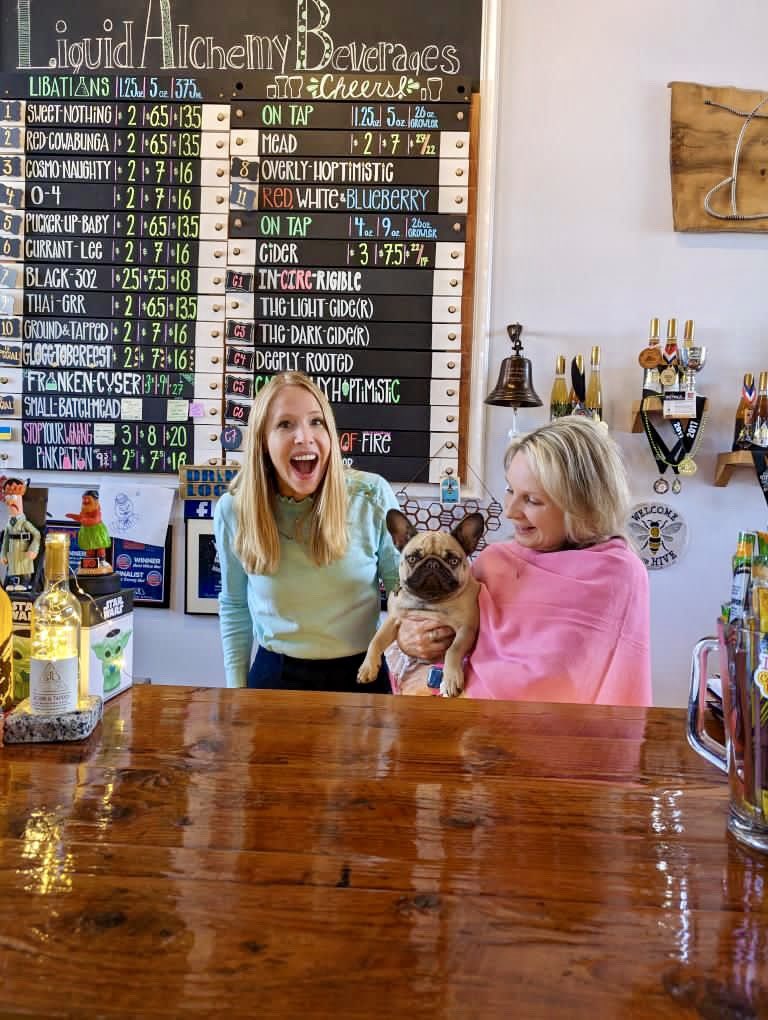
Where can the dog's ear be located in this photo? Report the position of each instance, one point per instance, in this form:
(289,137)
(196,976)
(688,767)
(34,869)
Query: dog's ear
(400,528)
(469,532)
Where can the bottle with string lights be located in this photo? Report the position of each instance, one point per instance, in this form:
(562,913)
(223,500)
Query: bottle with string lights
(54,659)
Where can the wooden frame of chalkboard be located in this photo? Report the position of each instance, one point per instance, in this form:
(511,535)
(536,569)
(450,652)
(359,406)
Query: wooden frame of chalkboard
(138,320)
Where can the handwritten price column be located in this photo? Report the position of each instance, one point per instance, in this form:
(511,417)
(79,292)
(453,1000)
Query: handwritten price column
(345,262)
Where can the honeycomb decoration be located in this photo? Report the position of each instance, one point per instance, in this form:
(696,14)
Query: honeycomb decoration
(430,515)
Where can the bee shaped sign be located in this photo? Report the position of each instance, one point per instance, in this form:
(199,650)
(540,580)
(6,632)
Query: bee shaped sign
(659,534)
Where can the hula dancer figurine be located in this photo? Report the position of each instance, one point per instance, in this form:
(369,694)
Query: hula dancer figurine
(21,539)
(93,537)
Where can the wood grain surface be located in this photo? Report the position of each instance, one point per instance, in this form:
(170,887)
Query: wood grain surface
(706,122)
(216,853)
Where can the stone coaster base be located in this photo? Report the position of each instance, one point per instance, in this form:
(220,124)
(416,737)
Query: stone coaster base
(23,727)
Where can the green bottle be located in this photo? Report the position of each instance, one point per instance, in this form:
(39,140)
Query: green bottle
(742,575)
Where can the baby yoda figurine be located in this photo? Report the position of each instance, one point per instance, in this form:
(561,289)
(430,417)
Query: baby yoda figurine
(109,652)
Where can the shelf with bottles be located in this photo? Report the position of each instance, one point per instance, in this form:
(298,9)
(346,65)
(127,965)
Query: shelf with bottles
(586,394)
(668,370)
(750,427)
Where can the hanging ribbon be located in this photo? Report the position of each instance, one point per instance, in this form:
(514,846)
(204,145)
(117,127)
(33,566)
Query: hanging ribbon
(686,430)
(760,461)
(660,452)
(578,381)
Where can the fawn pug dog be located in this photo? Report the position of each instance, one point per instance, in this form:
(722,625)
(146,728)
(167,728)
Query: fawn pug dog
(435,578)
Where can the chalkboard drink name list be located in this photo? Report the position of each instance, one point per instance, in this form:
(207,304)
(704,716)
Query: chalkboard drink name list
(167,246)
(113,232)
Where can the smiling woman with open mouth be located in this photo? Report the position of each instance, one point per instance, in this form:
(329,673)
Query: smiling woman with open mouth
(303,545)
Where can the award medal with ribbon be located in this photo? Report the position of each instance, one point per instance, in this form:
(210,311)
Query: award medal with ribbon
(669,357)
(688,436)
(650,357)
(681,456)
(670,352)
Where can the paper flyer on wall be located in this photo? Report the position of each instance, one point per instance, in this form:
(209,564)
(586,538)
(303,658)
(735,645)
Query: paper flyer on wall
(135,512)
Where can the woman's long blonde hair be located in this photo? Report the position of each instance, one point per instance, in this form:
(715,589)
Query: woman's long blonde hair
(254,489)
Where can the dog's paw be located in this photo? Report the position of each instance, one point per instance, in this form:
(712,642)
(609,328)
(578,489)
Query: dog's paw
(452,684)
(368,671)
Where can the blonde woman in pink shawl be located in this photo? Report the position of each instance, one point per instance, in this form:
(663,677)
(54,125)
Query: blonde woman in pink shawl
(564,605)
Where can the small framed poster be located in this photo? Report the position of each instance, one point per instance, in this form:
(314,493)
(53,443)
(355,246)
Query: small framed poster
(145,569)
(203,580)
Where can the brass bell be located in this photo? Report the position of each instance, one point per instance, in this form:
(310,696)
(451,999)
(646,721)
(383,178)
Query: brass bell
(515,384)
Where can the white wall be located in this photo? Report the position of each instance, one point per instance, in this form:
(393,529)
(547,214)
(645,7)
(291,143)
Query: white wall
(584,253)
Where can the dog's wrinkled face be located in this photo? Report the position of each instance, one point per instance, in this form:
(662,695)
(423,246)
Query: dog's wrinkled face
(434,565)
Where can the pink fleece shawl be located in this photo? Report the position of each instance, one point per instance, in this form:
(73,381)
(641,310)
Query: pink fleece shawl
(562,626)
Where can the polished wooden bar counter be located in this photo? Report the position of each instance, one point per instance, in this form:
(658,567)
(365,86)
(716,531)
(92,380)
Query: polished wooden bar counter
(262,854)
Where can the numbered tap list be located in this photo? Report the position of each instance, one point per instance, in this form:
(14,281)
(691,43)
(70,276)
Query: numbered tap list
(165,251)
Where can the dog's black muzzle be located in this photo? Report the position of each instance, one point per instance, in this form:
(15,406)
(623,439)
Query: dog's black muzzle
(432,579)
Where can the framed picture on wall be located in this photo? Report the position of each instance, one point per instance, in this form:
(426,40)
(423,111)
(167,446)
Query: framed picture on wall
(203,573)
(145,569)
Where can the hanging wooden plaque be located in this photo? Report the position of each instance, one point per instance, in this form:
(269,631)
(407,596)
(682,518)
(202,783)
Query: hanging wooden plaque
(718,161)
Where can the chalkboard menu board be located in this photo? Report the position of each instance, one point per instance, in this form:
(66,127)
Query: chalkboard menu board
(194,197)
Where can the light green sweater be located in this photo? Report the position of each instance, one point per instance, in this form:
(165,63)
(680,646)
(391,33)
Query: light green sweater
(303,610)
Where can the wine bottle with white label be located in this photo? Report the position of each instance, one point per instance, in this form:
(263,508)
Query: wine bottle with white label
(54,659)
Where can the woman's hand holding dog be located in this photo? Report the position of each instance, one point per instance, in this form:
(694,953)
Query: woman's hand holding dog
(422,639)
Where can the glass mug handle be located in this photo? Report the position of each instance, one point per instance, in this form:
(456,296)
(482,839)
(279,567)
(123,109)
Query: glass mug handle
(698,738)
